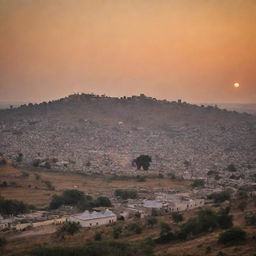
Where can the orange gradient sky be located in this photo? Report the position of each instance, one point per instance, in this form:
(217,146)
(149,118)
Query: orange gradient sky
(189,49)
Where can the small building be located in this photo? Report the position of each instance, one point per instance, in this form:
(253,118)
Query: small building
(90,219)
(5,223)
(152,204)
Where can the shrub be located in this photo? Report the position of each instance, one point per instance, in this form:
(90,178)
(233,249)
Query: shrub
(3,161)
(36,162)
(116,232)
(140,178)
(151,221)
(98,236)
(135,227)
(96,248)
(19,158)
(126,193)
(3,242)
(143,161)
(49,185)
(103,201)
(205,221)
(177,217)
(225,221)
(197,183)
(220,197)
(231,168)
(166,234)
(242,205)
(250,219)
(12,207)
(233,235)
(79,199)
(68,228)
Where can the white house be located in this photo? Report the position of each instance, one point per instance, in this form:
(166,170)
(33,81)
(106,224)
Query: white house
(90,219)
(5,223)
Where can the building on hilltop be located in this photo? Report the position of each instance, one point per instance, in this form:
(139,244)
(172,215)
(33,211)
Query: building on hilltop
(90,219)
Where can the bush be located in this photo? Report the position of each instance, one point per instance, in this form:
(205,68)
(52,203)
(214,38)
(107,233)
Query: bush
(19,158)
(96,248)
(49,185)
(3,242)
(103,201)
(143,161)
(206,221)
(197,183)
(97,236)
(242,205)
(220,197)
(68,228)
(225,221)
(36,162)
(233,235)
(140,178)
(79,199)
(116,232)
(177,217)
(147,246)
(165,234)
(250,219)
(14,207)
(151,221)
(135,227)
(126,193)
(3,161)
(231,168)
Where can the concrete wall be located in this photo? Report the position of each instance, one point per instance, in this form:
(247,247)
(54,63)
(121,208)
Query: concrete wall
(94,222)
(187,205)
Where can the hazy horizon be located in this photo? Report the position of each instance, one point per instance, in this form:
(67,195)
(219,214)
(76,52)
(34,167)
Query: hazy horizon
(176,49)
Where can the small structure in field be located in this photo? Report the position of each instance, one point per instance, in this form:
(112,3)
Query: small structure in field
(90,219)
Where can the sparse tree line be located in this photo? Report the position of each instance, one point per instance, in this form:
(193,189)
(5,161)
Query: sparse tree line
(15,207)
(78,199)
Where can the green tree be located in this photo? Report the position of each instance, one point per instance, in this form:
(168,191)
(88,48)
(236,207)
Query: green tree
(225,221)
(151,221)
(135,227)
(116,232)
(126,193)
(98,236)
(68,228)
(177,217)
(143,161)
(166,234)
(220,197)
(103,201)
(198,184)
(233,235)
(3,242)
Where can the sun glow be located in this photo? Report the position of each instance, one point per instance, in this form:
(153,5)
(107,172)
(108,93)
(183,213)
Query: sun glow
(236,85)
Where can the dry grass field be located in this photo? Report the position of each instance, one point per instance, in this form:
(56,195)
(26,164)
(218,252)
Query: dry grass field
(29,185)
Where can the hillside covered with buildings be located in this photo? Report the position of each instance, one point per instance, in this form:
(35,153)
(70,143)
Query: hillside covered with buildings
(98,134)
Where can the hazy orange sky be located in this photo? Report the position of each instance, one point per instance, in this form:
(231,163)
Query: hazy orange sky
(189,49)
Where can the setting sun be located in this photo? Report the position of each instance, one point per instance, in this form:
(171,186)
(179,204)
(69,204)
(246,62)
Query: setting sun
(236,85)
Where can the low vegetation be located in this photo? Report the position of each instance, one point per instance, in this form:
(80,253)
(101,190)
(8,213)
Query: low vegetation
(68,228)
(77,198)
(96,248)
(126,193)
(13,207)
(219,197)
(232,236)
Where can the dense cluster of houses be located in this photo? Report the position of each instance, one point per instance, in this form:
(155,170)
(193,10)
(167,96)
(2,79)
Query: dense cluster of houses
(164,203)
(91,142)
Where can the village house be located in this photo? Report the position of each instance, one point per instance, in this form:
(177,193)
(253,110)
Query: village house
(90,219)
